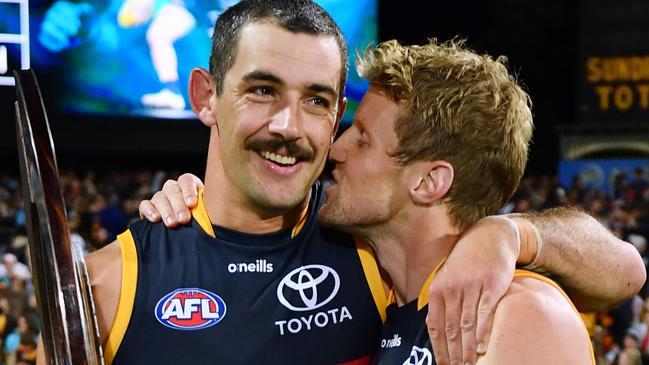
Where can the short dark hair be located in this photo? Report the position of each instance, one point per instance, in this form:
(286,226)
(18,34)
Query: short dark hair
(296,16)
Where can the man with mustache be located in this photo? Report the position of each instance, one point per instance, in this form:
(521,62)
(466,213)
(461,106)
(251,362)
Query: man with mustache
(255,278)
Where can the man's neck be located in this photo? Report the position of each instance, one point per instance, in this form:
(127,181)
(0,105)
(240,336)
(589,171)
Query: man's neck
(410,248)
(226,212)
(227,208)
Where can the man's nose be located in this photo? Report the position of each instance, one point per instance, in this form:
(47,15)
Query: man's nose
(337,152)
(286,122)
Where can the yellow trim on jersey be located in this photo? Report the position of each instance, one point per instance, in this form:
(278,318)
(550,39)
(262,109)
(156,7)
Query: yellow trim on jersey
(200,214)
(126,296)
(391,297)
(590,320)
(545,279)
(300,223)
(372,275)
(422,300)
(423,293)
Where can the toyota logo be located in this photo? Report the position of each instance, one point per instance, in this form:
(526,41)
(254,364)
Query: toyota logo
(316,285)
(419,356)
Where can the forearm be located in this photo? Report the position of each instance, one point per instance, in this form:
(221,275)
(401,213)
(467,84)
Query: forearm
(597,269)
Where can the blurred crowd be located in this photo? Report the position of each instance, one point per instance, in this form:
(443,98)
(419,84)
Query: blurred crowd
(100,206)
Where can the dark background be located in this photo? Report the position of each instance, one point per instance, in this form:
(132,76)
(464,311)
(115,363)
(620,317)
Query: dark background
(539,37)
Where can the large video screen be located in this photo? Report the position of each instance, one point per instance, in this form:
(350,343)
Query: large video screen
(134,57)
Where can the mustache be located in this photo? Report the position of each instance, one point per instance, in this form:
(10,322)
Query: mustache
(289,148)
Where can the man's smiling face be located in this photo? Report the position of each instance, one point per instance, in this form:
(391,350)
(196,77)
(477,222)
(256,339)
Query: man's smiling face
(277,114)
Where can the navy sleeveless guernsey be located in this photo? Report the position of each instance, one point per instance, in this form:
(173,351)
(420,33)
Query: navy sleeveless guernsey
(405,340)
(202,294)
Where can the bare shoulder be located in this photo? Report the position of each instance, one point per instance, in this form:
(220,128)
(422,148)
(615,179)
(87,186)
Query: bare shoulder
(105,270)
(536,324)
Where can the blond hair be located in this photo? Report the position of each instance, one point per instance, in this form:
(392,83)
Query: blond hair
(463,108)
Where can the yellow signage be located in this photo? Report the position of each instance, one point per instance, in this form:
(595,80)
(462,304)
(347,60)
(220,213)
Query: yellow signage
(619,82)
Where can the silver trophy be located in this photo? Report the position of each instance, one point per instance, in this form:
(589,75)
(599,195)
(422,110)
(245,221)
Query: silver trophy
(69,325)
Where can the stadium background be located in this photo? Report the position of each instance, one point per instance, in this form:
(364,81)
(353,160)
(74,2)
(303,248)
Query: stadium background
(596,129)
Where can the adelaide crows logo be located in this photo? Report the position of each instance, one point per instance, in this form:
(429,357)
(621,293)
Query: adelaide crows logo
(190,309)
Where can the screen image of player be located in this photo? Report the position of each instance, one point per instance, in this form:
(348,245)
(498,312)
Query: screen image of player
(134,57)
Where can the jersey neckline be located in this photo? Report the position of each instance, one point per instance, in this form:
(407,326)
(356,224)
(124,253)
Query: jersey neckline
(273,239)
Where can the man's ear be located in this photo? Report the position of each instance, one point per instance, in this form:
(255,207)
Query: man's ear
(201,96)
(339,117)
(431,181)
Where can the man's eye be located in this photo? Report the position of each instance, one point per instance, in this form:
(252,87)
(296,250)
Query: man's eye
(262,90)
(318,101)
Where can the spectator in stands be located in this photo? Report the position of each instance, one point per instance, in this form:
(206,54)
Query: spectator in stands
(638,183)
(17,296)
(26,351)
(630,355)
(11,268)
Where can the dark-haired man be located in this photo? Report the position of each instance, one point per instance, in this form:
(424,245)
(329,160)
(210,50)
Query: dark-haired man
(265,284)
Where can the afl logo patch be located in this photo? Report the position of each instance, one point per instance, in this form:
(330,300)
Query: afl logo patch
(190,309)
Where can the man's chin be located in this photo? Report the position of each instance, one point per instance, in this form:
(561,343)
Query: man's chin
(325,214)
(285,194)
(330,218)
(278,202)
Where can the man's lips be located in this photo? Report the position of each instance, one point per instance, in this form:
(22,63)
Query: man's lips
(272,162)
(279,158)
(280,151)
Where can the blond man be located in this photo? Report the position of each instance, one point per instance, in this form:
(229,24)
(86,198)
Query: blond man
(448,132)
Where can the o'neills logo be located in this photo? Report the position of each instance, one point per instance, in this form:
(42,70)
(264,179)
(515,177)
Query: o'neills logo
(395,341)
(257,266)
